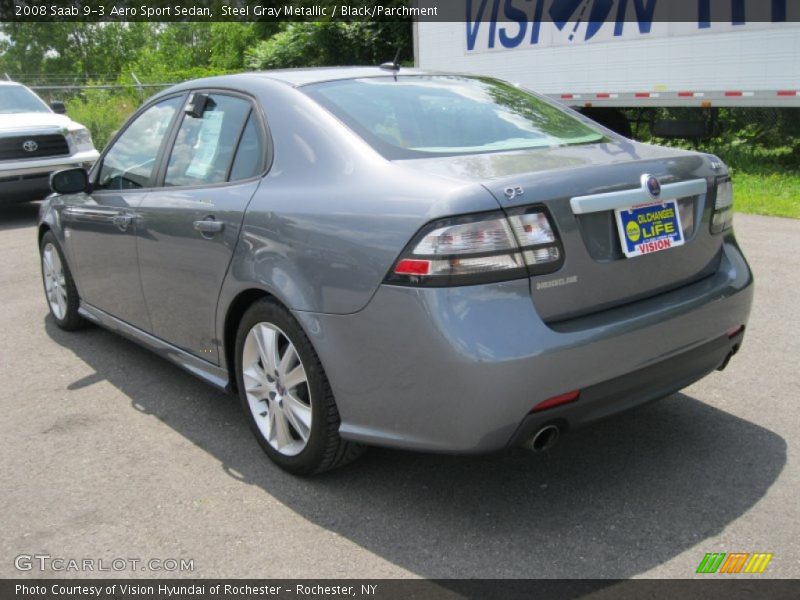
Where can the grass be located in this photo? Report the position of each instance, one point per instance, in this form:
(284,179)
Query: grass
(765,172)
(774,194)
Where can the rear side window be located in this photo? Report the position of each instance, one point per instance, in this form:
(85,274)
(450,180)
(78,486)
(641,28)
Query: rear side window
(205,146)
(249,155)
(419,116)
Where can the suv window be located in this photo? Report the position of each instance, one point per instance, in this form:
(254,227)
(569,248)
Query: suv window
(205,145)
(130,162)
(18,99)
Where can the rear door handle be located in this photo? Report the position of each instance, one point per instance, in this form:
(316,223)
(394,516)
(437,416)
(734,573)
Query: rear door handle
(209,225)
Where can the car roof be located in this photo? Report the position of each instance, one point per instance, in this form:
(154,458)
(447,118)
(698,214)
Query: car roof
(304,76)
(289,77)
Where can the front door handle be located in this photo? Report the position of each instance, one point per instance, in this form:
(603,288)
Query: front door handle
(122,221)
(209,225)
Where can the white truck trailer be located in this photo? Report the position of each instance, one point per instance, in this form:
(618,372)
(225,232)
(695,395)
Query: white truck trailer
(602,55)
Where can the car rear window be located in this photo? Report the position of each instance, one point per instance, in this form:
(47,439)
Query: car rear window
(416,116)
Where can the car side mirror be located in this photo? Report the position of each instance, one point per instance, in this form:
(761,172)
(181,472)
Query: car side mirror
(58,107)
(70,181)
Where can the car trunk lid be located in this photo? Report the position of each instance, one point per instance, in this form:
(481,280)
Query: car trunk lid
(581,186)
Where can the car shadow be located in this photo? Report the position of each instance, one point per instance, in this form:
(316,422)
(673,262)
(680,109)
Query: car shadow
(16,216)
(613,501)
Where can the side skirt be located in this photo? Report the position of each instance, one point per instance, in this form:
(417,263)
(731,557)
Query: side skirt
(208,372)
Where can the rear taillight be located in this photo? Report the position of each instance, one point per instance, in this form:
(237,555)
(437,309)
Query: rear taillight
(722,218)
(479,249)
(538,240)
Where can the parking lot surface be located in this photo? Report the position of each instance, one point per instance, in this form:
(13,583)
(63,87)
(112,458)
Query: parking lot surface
(110,452)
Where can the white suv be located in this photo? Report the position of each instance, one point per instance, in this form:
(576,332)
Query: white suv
(35,141)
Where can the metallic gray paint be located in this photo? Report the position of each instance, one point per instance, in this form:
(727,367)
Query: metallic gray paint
(103,253)
(582,205)
(182,270)
(450,369)
(605,283)
(458,369)
(206,371)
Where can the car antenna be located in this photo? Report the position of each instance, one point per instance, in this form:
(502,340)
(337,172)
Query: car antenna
(394,65)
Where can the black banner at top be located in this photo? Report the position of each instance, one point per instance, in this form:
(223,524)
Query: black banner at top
(562,12)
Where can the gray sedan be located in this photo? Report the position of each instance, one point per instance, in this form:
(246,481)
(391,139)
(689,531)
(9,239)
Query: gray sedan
(391,257)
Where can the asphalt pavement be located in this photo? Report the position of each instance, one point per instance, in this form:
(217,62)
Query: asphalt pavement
(109,452)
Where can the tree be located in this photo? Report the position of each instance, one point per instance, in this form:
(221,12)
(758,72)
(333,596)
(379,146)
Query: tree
(228,43)
(313,44)
(104,51)
(64,50)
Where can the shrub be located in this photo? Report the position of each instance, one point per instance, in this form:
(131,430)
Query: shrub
(325,43)
(102,111)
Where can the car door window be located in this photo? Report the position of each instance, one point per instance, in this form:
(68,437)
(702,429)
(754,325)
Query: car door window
(250,153)
(205,144)
(130,162)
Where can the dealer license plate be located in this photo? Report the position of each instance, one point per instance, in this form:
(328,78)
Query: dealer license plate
(648,228)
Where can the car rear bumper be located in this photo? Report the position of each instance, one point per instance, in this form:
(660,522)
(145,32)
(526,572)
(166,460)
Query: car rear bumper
(633,389)
(459,369)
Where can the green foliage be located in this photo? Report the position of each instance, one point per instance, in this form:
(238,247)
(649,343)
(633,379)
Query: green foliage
(314,44)
(81,53)
(102,112)
(69,50)
(774,194)
(228,42)
(753,140)
(196,48)
(291,47)
(761,146)
(77,52)
(69,53)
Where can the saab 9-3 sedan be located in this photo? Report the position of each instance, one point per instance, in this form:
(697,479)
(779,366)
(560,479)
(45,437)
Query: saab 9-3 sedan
(424,261)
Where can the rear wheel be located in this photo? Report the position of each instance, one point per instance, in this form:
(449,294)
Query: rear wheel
(59,286)
(286,395)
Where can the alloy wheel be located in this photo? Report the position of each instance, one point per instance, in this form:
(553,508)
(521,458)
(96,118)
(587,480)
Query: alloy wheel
(276,387)
(54,281)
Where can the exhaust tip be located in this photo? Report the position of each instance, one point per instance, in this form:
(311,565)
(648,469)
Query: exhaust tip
(544,439)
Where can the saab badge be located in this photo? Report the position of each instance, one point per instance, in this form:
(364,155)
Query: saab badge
(651,186)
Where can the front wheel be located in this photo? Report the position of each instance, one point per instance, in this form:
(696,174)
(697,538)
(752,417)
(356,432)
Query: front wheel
(59,286)
(286,395)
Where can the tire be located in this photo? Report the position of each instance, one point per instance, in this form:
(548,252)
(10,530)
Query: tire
(273,354)
(59,286)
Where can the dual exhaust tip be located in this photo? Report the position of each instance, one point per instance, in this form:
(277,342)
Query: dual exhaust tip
(544,439)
